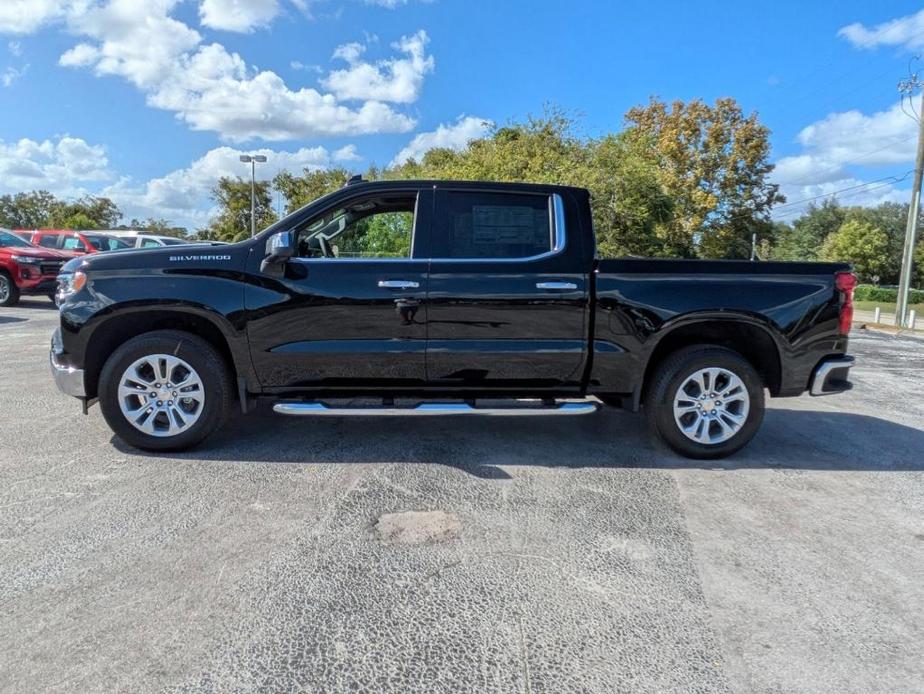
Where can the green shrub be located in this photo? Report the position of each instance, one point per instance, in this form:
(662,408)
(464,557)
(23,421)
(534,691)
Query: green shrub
(869,292)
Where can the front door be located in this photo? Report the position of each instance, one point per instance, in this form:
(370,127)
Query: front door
(350,311)
(508,295)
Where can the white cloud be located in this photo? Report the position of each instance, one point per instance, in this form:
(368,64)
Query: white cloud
(182,196)
(25,16)
(11,74)
(210,88)
(453,136)
(59,166)
(238,15)
(840,141)
(907,32)
(849,137)
(15,48)
(397,80)
(390,4)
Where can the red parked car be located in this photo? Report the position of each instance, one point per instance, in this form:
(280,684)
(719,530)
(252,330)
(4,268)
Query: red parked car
(27,269)
(78,242)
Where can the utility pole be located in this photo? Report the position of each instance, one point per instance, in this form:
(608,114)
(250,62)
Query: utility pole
(252,160)
(906,87)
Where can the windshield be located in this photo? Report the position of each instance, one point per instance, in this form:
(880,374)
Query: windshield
(106,243)
(8,240)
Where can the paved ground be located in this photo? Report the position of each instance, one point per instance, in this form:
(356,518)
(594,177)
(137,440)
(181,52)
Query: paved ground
(566,555)
(886,319)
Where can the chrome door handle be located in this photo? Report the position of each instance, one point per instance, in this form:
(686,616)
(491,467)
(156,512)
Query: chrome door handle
(398,284)
(559,286)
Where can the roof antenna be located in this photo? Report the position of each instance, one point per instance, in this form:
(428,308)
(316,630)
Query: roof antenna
(358,178)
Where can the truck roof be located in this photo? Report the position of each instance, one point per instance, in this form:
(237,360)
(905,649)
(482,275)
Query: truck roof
(455,183)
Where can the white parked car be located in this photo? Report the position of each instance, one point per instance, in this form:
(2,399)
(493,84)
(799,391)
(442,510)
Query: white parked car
(141,239)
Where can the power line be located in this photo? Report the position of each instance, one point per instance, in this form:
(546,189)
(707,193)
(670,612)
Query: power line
(888,179)
(872,185)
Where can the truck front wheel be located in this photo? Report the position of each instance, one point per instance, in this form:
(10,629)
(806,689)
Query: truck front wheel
(165,391)
(705,402)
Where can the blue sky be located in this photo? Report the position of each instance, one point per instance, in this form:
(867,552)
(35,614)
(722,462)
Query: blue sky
(149,101)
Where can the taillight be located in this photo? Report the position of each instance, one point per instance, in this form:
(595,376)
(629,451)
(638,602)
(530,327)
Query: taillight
(845,282)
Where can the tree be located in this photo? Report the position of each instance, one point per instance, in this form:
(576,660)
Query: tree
(311,185)
(27,210)
(627,200)
(859,243)
(161,227)
(713,161)
(802,241)
(233,220)
(88,212)
(919,265)
(892,218)
(631,210)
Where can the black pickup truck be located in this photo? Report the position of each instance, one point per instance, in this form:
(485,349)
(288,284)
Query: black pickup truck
(435,297)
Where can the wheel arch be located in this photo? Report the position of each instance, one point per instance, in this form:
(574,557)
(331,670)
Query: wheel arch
(742,334)
(117,329)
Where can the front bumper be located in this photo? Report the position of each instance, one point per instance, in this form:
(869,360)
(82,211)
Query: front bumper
(830,376)
(68,379)
(44,285)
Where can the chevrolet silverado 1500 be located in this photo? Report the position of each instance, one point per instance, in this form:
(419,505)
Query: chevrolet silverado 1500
(441,298)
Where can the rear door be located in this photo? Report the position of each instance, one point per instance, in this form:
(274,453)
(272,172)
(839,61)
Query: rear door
(350,311)
(508,298)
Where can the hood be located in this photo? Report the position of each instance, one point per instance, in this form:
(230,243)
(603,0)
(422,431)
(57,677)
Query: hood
(39,252)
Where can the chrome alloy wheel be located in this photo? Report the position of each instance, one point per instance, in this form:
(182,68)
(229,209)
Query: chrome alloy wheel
(161,395)
(4,288)
(711,405)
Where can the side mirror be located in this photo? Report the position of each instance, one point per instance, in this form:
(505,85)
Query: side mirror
(279,248)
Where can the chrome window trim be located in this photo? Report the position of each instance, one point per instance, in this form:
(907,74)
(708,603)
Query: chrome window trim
(556,220)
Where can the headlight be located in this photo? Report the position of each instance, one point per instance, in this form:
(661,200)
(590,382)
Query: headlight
(71,283)
(26,260)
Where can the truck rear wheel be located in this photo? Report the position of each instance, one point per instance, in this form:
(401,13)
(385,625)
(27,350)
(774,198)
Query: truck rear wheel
(705,402)
(9,292)
(165,391)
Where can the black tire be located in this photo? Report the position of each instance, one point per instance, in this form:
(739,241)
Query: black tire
(9,292)
(673,372)
(200,355)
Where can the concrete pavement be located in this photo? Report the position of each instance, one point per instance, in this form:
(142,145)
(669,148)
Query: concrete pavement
(540,555)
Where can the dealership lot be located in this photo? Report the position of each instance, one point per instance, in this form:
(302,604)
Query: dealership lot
(570,554)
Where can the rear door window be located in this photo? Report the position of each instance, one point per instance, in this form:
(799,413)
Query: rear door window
(48,241)
(72,243)
(493,226)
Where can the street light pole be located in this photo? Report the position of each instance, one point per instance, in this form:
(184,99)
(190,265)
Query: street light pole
(252,160)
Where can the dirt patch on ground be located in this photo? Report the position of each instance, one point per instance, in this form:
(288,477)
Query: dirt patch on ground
(417,527)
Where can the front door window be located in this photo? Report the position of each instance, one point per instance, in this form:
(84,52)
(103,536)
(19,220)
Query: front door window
(374,228)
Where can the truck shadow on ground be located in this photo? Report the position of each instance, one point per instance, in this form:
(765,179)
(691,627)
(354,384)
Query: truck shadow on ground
(483,446)
(37,302)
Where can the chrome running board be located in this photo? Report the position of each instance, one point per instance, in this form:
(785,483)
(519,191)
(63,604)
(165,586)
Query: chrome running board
(436,409)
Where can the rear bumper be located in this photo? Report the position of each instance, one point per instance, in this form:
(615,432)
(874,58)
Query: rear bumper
(831,375)
(68,379)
